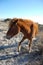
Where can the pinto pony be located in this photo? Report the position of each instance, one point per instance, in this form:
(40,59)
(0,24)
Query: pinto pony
(27,27)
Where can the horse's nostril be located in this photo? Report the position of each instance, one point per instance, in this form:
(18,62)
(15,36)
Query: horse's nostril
(8,37)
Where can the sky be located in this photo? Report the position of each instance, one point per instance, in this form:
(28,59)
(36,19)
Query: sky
(30,9)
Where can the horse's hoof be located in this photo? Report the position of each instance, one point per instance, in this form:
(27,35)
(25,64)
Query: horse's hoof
(34,39)
(30,51)
(17,52)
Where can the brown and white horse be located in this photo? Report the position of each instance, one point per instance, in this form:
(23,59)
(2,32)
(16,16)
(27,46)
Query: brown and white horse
(27,27)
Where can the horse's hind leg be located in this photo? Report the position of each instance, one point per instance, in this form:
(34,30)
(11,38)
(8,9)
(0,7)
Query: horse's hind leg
(19,45)
(30,44)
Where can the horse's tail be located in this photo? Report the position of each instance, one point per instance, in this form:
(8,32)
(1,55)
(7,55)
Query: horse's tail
(34,30)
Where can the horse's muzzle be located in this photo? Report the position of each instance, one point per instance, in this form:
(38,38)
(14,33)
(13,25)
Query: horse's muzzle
(8,37)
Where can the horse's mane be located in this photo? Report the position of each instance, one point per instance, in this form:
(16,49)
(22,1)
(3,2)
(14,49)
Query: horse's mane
(15,20)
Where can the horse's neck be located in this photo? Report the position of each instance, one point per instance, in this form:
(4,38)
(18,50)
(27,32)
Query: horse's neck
(23,25)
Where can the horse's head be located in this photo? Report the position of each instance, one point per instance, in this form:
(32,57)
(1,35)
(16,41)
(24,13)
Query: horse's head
(13,28)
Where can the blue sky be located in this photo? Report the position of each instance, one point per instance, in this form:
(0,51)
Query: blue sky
(21,8)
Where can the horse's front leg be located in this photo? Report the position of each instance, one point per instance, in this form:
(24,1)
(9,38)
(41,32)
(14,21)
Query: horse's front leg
(19,45)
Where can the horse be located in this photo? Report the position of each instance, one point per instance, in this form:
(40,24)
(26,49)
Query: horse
(27,27)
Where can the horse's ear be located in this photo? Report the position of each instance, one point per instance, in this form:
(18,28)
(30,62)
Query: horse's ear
(14,21)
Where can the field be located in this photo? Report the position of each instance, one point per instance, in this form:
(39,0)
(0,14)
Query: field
(8,48)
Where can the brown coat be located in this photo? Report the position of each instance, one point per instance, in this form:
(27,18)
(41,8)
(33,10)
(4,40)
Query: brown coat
(27,27)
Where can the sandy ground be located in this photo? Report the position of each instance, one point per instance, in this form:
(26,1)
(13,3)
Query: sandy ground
(8,49)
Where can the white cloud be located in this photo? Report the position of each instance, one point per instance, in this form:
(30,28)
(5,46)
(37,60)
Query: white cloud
(38,19)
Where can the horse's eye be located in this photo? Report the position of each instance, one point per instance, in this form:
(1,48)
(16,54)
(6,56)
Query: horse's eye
(15,21)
